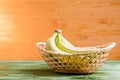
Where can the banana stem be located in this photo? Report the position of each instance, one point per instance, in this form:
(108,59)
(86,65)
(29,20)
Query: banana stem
(58,30)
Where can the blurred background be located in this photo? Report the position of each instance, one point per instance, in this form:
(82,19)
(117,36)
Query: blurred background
(84,23)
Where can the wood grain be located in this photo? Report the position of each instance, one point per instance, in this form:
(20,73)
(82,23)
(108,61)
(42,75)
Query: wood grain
(84,23)
(38,70)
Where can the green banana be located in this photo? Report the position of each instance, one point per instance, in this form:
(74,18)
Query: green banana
(58,43)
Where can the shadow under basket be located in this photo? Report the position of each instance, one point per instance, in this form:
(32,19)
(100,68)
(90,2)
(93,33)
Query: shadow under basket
(82,63)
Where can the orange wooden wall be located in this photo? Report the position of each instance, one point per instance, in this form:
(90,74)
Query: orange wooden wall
(84,23)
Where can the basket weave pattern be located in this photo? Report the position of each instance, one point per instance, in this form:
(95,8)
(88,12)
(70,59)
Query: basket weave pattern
(76,63)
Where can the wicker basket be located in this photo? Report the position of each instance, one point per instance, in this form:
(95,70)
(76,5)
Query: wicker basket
(83,63)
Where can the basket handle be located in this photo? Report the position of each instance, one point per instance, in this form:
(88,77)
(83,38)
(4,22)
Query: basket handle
(40,45)
(109,46)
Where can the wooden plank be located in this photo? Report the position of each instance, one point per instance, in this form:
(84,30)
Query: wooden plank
(38,70)
(84,22)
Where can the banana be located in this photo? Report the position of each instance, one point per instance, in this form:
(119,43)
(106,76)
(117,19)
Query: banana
(58,43)
(66,46)
(51,45)
(62,46)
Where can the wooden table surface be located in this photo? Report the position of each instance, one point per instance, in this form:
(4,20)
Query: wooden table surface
(38,70)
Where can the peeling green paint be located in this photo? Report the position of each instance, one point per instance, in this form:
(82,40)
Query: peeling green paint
(38,70)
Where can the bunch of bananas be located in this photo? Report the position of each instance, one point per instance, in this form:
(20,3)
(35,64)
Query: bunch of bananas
(58,43)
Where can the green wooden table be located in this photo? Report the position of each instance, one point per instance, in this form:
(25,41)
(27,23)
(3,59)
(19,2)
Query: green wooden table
(38,70)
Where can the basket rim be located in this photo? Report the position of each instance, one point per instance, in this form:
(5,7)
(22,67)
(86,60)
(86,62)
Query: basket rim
(95,49)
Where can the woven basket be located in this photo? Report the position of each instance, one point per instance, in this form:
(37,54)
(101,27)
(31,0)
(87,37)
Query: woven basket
(83,63)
